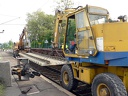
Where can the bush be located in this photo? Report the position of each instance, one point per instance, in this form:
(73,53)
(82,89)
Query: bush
(2,88)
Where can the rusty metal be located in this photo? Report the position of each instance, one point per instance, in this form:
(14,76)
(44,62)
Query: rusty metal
(49,51)
(24,70)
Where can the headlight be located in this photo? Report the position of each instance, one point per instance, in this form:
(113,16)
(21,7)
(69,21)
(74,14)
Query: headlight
(125,18)
(91,51)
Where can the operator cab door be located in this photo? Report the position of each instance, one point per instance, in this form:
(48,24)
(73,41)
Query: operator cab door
(69,48)
(78,23)
(85,38)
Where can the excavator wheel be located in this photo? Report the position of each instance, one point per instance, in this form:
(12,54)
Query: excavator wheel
(67,78)
(108,84)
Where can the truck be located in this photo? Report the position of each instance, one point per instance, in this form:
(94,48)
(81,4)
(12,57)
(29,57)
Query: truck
(100,53)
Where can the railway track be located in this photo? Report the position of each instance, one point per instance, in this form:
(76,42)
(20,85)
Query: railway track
(53,73)
(51,52)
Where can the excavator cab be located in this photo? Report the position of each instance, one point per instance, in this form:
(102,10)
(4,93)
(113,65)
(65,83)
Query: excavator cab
(79,35)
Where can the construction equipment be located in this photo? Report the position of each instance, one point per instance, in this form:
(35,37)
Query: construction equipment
(15,49)
(23,44)
(24,70)
(59,22)
(100,55)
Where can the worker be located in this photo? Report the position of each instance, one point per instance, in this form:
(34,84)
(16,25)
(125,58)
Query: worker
(73,44)
(66,46)
(62,46)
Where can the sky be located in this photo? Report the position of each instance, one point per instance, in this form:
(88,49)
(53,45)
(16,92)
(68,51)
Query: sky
(13,13)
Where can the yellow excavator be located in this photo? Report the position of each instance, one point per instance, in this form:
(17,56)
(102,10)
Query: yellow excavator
(23,44)
(99,54)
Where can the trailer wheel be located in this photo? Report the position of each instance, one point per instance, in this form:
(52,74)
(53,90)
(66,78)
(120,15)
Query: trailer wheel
(67,78)
(108,84)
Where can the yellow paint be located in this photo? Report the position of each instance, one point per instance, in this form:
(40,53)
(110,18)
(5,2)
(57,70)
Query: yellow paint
(125,79)
(98,30)
(86,74)
(114,35)
(115,39)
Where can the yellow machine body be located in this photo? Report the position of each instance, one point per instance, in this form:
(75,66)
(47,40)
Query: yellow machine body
(23,44)
(113,35)
(23,40)
(86,72)
(100,47)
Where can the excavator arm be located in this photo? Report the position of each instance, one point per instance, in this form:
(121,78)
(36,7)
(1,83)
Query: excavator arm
(23,43)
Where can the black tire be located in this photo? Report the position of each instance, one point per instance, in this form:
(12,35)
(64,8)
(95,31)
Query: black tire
(109,83)
(71,82)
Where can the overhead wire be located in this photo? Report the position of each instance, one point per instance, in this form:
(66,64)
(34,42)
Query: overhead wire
(15,24)
(9,21)
(8,15)
(17,16)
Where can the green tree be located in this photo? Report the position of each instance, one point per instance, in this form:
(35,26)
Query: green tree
(5,45)
(40,28)
(10,43)
(64,4)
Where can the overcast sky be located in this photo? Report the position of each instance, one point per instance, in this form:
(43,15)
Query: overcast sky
(13,13)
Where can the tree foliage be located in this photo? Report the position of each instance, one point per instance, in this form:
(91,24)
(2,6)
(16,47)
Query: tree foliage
(64,4)
(40,27)
(6,45)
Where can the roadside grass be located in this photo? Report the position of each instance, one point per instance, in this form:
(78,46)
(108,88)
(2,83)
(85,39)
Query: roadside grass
(2,89)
